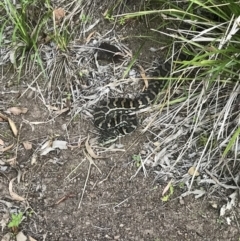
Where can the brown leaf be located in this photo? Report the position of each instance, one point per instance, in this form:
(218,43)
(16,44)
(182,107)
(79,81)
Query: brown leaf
(58,14)
(2,116)
(166,188)
(31,239)
(143,75)
(192,171)
(90,150)
(6,148)
(27,145)
(14,195)
(17,110)
(13,127)
(1,142)
(89,37)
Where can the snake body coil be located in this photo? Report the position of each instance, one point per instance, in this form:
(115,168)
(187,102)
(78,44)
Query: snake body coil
(116,117)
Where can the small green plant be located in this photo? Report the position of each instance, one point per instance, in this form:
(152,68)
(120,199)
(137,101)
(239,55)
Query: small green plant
(122,21)
(181,185)
(16,220)
(231,142)
(29,213)
(84,18)
(109,16)
(220,221)
(137,160)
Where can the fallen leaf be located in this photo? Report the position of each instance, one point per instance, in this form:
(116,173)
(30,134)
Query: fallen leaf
(46,151)
(89,37)
(27,145)
(14,195)
(13,127)
(91,161)
(34,159)
(1,142)
(193,171)
(46,144)
(62,145)
(58,14)
(31,239)
(213,204)
(157,143)
(21,237)
(52,145)
(90,150)
(143,75)
(167,188)
(3,116)
(6,148)
(17,110)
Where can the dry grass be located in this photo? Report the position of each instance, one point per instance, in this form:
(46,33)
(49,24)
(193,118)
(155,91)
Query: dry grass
(196,122)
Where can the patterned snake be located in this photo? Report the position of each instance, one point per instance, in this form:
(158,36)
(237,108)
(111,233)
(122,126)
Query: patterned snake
(116,117)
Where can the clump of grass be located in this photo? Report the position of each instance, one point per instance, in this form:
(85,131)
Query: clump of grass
(208,31)
(28,26)
(23,26)
(27,20)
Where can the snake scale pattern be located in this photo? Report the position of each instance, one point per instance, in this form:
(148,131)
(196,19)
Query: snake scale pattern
(116,117)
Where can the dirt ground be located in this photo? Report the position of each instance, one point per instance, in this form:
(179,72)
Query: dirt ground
(114,206)
(66,198)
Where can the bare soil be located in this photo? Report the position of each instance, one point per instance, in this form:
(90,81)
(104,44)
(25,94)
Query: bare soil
(69,199)
(114,205)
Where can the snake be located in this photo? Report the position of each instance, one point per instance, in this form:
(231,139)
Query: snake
(115,117)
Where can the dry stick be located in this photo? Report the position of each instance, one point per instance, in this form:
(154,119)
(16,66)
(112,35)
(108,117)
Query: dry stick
(30,85)
(126,199)
(16,153)
(85,184)
(91,162)
(107,175)
(20,128)
(68,176)
(219,183)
